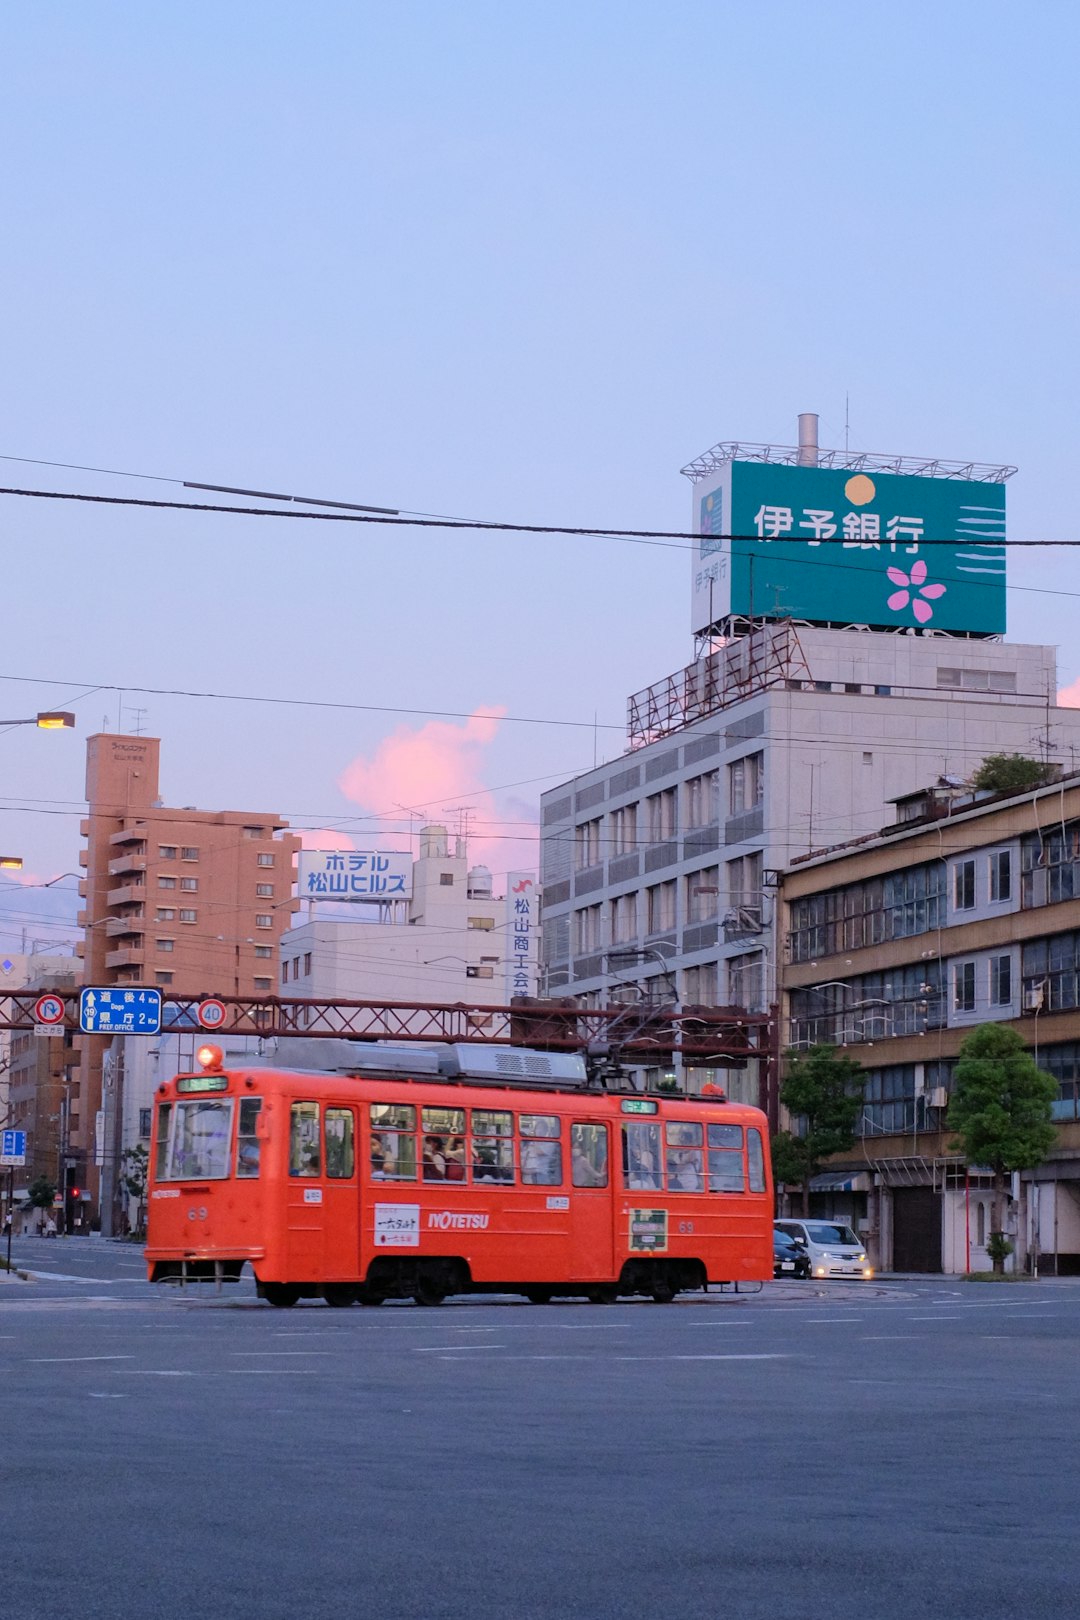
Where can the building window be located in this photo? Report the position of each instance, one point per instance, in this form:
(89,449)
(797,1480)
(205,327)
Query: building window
(1001,875)
(263,919)
(262,986)
(145,1115)
(703,799)
(964,885)
(189,916)
(446,879)
(662,811)
(703,895)
(163,978)
(264,859)
(660,902)
(166,914)
(1001,981)
(746,784)
(700,985)
(484,923)
(744,880)
(964,987)
(624,922)
(166,883)
(479,973)
(624,830)
(166,852)
(189,853)
(285,972)
(189,885)
(264,950)
(265,891)
(587,929)
(254,832)
(587,844)
(164,944)
(746,982)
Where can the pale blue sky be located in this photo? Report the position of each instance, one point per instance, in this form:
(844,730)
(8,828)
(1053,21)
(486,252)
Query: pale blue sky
(508,260)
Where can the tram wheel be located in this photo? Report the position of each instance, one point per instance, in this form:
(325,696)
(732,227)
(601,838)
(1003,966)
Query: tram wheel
(663,1290)
(429,1292)
(605,1295)
(339,1294)
(283,1295)
(368,1296)
(538,1296)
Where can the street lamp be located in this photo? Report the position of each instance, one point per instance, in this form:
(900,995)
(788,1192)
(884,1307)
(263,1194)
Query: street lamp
(47,720)
(10,863)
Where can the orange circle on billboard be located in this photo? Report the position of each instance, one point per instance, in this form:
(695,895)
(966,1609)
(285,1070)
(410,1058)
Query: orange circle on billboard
(860,489)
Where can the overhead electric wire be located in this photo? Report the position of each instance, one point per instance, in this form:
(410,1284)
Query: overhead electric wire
(642,536)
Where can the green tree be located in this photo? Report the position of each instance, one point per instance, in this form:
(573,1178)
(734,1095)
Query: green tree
(1009,773)
(41,1193)
(825,1091)
(1001,1111)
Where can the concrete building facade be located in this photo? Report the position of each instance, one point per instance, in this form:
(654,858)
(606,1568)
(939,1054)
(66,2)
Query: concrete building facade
(457,942)
(659,869)
(965,911)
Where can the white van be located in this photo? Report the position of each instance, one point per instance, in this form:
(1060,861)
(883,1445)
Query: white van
(834,1249)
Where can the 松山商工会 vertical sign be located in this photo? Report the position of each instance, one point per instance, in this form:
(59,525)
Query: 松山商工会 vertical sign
(834,546)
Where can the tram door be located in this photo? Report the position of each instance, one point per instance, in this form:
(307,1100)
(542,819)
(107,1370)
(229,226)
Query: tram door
(593,1252)
(341,1196)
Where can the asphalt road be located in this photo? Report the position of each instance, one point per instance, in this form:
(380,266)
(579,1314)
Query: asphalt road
(906,1448)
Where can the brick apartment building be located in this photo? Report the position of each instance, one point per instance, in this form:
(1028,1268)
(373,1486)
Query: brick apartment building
(190,901)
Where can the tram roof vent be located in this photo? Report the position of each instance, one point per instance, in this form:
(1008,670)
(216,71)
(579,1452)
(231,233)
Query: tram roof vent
(510,1063)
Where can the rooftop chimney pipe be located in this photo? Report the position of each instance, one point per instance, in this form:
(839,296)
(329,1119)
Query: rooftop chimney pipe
(808,440)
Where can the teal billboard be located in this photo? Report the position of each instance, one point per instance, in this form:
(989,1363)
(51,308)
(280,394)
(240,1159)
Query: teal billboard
(834,546)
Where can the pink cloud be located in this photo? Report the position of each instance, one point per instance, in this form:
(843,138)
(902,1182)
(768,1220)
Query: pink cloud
(1069,696)
(436,769)
(323,838)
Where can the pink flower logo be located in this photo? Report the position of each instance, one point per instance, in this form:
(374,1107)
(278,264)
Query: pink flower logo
(910,583)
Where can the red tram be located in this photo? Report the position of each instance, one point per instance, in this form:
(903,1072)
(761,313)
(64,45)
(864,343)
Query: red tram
(419,1173)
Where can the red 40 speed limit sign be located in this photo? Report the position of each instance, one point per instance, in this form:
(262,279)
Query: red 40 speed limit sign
(211,1013)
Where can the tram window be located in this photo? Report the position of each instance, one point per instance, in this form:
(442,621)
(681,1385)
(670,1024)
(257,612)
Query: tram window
(340,1153)
(492,1144)
(725,1159)
(161,1155)
(641,1156)
(684,1157)
(588,1155)
(304,1139)
(443,1144)
(248,1146)
(393,1143)
(199,1141)
(756,1155)
(541,1150)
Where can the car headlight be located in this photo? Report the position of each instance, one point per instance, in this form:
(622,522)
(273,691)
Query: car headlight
(862,1259)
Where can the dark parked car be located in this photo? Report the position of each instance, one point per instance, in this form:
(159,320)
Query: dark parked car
(790,1259)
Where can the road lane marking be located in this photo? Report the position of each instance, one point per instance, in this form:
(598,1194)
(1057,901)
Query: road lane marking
(458,1349)
(41,1361)
(830,1319)
(937,1317)
(283,1352)
(718,1356)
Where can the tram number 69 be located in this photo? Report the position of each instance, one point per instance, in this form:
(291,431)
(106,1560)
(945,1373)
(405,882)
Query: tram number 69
(685,1227)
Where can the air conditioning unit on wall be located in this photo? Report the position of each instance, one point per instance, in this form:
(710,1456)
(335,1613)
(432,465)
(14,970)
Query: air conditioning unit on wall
(1034,998)
(937,1098)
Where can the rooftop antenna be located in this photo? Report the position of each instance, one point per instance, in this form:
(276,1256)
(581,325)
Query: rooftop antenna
(139,714)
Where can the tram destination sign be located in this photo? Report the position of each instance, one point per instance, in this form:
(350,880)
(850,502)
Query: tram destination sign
(112,1011)
(827,545)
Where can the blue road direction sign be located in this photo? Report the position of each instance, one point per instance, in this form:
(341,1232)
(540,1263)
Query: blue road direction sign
(119,1012)
(13,1147)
